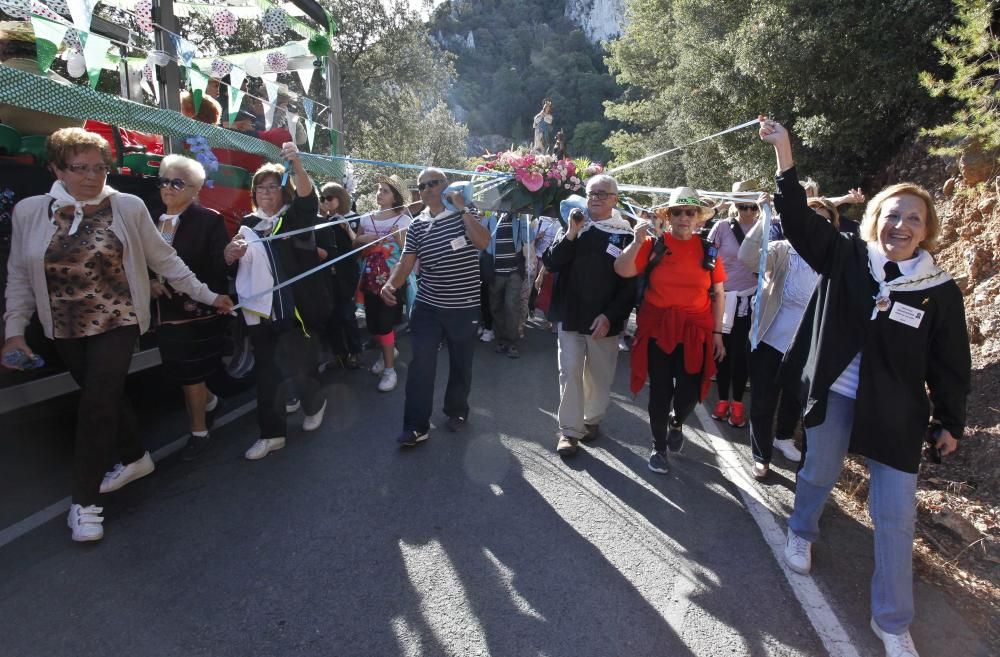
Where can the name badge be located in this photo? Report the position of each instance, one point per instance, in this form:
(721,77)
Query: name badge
(458,243)
(906,314)
(614,250)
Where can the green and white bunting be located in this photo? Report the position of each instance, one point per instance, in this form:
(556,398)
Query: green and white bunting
(95,53)
(48,37)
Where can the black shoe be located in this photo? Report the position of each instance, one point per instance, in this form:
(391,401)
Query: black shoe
(195,447)
(410,438)
(675,436)
(591,432)
(455,423)
(500,348)
(512,352)
(352,361)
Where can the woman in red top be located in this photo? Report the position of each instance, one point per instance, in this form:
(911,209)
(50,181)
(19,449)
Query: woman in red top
(680,318)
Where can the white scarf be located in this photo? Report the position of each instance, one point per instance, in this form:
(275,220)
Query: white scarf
(63,199)
(614,224)
(924,274)
(266,223)
(168,226)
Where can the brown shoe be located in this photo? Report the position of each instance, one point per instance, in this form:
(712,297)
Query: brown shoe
(566,446)
(591,432)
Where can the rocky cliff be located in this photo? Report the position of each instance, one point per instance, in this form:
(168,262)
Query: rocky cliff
(600,19)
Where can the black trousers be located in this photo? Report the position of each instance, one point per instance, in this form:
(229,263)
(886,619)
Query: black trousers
(486,311)
(105,422)
(770,397)
(670,388)
(285,363)
(342,328)
(430,325)
(733,370)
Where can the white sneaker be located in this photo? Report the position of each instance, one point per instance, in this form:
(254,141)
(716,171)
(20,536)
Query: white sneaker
(787,448)
(388,381)
(896,645)
(379,365)
(85,521)
(263,447)
(312,422)
(292,406)
(798,553)
(121,475)
(487,336)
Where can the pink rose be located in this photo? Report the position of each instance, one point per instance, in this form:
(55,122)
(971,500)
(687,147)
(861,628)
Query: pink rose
(533,181)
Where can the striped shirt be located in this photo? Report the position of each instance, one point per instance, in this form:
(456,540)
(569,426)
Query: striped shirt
(449,276)
(507,260)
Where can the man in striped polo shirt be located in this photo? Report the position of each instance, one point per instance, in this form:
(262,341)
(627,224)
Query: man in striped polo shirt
(447,245)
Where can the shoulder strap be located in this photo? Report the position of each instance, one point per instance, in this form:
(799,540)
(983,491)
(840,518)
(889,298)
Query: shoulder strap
(659,249)
(737,230)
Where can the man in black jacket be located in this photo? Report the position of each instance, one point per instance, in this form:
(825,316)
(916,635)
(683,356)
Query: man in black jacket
(592,304)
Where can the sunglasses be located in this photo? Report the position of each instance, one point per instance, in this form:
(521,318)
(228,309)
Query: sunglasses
(327,198)
(747,208)
(430,184)
(600,196)
(268,188)
(97,169)
(690,212)
(175,183)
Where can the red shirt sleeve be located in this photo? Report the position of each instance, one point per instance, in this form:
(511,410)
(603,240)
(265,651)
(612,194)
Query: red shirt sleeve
(719,273)
(642,257)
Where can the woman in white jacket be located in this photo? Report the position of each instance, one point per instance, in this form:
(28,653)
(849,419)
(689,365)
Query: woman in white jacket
(80,258)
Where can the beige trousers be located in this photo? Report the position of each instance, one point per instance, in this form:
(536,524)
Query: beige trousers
(586,371)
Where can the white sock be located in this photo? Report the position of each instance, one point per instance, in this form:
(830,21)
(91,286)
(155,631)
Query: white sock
(200,434)
(390,369)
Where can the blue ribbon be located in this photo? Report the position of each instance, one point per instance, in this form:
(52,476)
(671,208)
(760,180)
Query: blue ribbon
(761,269)
(419,167)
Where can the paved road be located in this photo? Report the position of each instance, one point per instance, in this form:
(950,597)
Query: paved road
(478,543)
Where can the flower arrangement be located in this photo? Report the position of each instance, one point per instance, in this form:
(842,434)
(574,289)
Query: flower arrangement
(538,180)
(198,147)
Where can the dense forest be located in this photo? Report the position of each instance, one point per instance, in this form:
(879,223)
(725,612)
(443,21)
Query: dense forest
(509,56)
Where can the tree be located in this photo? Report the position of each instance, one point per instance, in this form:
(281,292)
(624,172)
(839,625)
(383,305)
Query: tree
(842,76)
(971,50)
(588,141)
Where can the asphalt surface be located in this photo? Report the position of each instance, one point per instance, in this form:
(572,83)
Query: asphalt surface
(482,542)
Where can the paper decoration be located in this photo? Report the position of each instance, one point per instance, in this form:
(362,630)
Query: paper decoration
(307,106)
(74,40)
(82,12)
(254,67)
(185,50)
(160,57)
(292,121)
(277,61)
(220,68)
(76,65)
(271,89)
(95,54)
(16,8)
(310,132)
(305,77)
(58,6)
(224,23)
(274,20)
(236,77)
(197,81)
(149,77)
(269,109)
(48,36)
(319,45)
(144,15)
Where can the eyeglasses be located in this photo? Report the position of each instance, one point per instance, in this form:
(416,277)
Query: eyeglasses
(690,212)
(96,169)
(430,184)
(600,196)
(327,198)
(747,208)
(175,183)
(268,188)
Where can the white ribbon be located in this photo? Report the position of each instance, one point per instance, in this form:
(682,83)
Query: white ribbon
(629,165)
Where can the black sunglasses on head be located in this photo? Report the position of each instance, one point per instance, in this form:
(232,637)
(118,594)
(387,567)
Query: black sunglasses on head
(430,184)
(175,183)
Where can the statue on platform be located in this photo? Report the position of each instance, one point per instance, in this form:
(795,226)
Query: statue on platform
(542,125)
(559,147)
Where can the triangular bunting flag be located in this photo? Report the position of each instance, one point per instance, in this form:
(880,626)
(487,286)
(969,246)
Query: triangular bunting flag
(269,115)
(185,50)
(236,77)
(82,12)
(272,90)
(197,81)
(95,54)
(306,77)
(292,120)
(270,77)
(307,107)
(152,82)
(333,141)
(48,36)
(310,132)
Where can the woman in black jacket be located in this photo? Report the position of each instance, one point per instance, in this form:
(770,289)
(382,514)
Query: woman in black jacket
(189,334)
(283,325)
(883,323)
(336,241)
(592,303)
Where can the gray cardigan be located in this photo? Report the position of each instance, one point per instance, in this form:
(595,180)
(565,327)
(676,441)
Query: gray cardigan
(773,279)
(143,249)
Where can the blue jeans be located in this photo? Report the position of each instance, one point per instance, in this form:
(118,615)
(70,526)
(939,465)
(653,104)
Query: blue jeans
(428,327)
(892,505)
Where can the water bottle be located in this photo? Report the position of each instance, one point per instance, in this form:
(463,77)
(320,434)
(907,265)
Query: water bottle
(17,359)
(462,187)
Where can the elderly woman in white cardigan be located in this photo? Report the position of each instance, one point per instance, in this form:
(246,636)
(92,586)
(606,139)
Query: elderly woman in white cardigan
(80,258)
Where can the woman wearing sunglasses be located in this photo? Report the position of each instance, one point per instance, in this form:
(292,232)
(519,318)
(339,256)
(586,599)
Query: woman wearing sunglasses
(741,283)
(189,334)
(80,258)
(679,326)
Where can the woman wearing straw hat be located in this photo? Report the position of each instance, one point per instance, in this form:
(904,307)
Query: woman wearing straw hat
(392,219)
(741,283)
(679,333)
